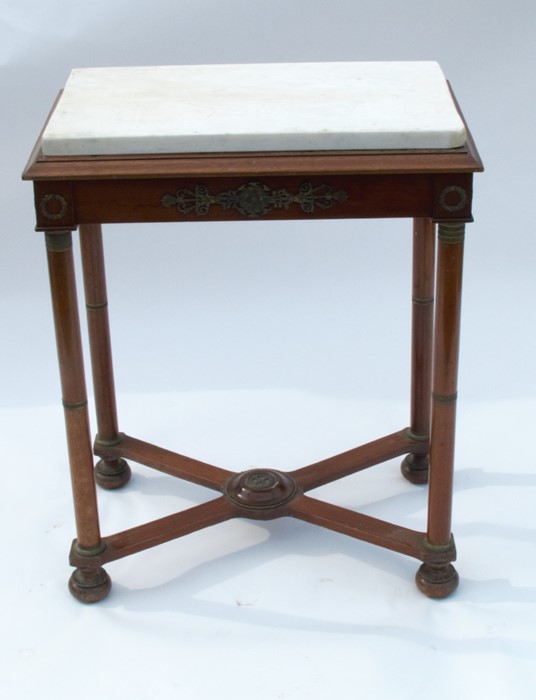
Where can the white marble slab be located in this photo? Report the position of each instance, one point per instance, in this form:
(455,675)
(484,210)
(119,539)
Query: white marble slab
(256,107)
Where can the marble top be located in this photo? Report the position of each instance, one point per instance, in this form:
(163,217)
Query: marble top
(255,107)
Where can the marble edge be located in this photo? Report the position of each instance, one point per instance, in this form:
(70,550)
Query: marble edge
(58,143)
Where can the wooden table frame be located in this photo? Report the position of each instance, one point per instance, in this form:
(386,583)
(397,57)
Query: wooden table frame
(433,187)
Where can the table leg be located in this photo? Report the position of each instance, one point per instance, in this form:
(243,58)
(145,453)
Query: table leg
(415,467)
(93,583)
(109,473)
(439,579)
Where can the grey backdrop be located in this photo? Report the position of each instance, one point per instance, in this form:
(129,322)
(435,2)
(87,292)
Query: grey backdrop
(303,331)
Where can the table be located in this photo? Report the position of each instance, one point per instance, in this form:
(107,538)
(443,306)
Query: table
(267,141)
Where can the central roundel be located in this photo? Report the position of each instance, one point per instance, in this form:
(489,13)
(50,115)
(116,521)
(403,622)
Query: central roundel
(260,479)
(260,488)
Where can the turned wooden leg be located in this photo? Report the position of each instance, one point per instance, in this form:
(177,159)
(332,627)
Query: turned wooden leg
(415,467)
(92,583)
(439,579)
(109,473)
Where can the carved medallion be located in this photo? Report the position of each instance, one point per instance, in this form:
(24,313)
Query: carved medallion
(261,489)
(453,198)
(53,206)
(260,480)
(254,199)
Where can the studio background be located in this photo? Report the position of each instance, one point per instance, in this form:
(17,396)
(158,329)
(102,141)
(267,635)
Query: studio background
(271,344)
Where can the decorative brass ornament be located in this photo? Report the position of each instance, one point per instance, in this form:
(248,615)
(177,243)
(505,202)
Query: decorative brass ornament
(58,242)
(451,232)
(442,398)
(450,205)
(53,213)
(254,199)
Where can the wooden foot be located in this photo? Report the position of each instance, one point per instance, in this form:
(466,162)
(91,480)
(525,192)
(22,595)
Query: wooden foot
(414,468)
(437,580)
(90,585)
(112,473)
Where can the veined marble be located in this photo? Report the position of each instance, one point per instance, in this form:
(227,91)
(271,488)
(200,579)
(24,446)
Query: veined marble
(255,107)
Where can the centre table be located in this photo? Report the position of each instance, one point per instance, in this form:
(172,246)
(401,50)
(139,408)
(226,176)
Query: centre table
(257,142)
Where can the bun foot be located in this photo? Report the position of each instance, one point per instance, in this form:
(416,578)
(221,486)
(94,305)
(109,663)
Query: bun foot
(414,468)
(437,580)
(90,585)
(112,473)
